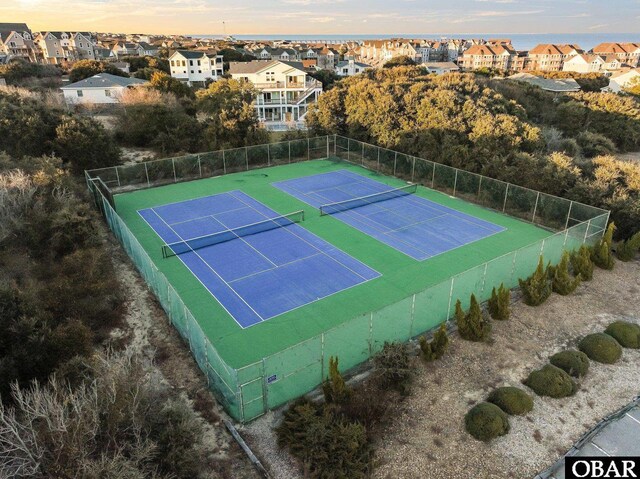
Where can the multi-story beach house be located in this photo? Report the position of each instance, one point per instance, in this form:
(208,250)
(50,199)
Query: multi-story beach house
(549,57)
(16,41)
(348,68)
(493,56)
(285,91)
(196,67)
(55,47)
(626,53)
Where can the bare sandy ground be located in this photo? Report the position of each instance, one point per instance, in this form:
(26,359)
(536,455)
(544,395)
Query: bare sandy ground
(427,438)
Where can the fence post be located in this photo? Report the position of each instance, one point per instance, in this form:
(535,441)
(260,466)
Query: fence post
(327,146)
(246,156)
(513,264)
(378,158)
(413,314)
(363,153)
(265,388)
(479,187)
(484,277)
(455,183)
(433,176)
(584,240)
(566,225)
(395,162)
(268,154)
(289,151)
(224,163)
(199,166)
(335,144)
(535,208)
(146,172)
(370,334)
(542,248)
(348,149)
(322,357)
(413,169)
(173,163)
(117,175)
(450,299)
(308,149)
(506,193)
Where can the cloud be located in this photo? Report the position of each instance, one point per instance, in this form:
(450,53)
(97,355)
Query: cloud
(502,13)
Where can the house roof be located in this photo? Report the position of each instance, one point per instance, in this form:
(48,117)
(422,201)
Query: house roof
(545,49)
(104,80)
(190,54)
(449,65)
(146,46)
(255,66)
(611,47)
(14,27)
(564,85)
(345,63)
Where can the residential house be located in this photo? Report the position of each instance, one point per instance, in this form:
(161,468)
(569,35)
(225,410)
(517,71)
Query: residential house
(611,63)
(124,49)
(196,67)
(84,46)
(56,47)
(498,57)
(546,57)
(102,88)
(584,63)
(122,66)
(626,53)
(623,79)
(327,58)
(285,89)
(144,49)
(440,68)
(16,41)
(348,68)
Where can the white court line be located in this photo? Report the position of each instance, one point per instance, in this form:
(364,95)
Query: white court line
(313,246)
(297,260)
(214,271)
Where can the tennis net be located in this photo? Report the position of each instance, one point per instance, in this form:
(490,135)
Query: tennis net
(180,247)
(367,200)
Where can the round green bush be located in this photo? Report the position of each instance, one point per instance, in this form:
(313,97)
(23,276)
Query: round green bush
(574,363)
(486,421)
(511,400)
(601,347)
(627,334)
(551,381)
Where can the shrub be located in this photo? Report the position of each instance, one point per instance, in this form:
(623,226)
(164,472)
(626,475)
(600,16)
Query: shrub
(367,405)
(486,421)
(511,400)
(394,366)
(473,325)
(627,334)
(551,381)
(499,303)
(537,287)
(574,363)
(437,347)
(595,144)
(334,388)
(601,347)
(601,252)
(327,445)
(561,280)
(627,250)
(582,263)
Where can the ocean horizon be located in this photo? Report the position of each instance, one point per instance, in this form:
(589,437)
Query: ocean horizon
(521,41)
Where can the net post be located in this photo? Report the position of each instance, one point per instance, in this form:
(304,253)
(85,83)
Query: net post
(455,183)
(506,193)
(566,225)
(146,172)
(586,232)
(289,151)
(395,162)
(535,208)
(224,162)
(246,156)
(199,166)
(173,164)
(268,154)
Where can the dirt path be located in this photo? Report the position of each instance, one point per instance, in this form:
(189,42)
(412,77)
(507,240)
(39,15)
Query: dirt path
(148,331)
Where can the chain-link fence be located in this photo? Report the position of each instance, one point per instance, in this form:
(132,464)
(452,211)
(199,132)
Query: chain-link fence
(249,391)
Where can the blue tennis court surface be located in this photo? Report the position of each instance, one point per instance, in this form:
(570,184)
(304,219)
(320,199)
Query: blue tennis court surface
(262,272)
(413,225)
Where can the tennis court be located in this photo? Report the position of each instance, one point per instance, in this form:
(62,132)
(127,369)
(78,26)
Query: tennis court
(408,223)
(257,263)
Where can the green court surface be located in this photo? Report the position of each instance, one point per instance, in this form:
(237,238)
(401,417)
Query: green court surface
(401,277)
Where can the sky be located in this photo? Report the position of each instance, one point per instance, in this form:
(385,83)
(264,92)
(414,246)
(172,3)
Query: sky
(327,16)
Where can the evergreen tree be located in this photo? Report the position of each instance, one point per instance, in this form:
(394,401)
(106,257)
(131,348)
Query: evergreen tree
(627,250)
(499,303)
(334,388)
(601,252)
(437,347)
(537,287)
(562,281)
(474,325)
(582,263)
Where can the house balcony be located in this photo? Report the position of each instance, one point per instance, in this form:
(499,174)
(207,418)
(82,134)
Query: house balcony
(281,85)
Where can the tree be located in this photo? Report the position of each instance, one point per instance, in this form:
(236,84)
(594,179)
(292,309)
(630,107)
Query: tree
(334,388)
(499,304)
(85,144)
(437,347)
(327,77)
(87,68)
(536,289)
(601,252)
(562,281)
(473,325)
(401,61)
(167,84)
(633,87)
(582,264)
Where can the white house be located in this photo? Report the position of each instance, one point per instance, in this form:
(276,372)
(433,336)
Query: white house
(284,89)
(102,88)
(583,63)
(622,79)
(195,67)
(349,68)
(439,68)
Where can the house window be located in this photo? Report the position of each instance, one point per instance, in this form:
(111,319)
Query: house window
(190,62)
(198,62)
(191,71)
(173,63)
(79,93)
(199,71)
(107,93)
